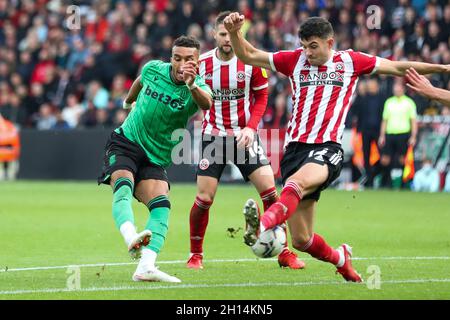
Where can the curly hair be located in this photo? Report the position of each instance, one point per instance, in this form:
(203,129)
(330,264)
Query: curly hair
(315,27)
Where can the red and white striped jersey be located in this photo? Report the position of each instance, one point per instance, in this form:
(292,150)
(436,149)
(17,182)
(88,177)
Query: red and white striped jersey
(321,96)
(232,83)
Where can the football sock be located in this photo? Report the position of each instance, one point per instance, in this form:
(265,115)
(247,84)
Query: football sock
(121,208)
(128,231)
(158,222)
(281,210)
(269,197)
(147,261)
(319,249)
(198,221)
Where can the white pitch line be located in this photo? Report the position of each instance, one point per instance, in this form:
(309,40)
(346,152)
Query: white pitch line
(112,264)
(226,285)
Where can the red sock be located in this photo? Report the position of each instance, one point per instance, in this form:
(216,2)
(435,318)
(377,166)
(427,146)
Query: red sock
(269,197)
(281,210)
(198,221)
(319,249)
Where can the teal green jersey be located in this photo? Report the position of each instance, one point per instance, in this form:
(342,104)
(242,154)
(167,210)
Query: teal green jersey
(161,108)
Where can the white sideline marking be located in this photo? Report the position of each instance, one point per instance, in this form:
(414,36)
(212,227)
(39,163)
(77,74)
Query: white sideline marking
(207,261)
(232,285)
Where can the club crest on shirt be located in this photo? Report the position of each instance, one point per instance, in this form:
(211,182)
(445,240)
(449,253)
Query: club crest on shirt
(339,66)
(240,76)
(204,164)
(208,76)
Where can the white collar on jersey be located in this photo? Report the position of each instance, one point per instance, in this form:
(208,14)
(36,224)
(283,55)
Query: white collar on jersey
(216,57)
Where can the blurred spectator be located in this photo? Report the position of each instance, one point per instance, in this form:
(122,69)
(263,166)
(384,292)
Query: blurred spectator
(369,112)
(427,178)
(26,66)
(89,118)
(97,94)
(72,111)
(78,54)
(184,16)
(163,28)
(60,123)
(46,119)
(35,100)
(13,110)
(119,89)
(41,69)
(102,119)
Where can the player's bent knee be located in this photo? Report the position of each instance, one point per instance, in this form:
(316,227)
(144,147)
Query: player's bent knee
(120,174)
(161,201)
(206,197)
(123,185)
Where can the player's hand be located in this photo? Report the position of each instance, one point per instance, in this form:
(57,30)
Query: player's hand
(245,138)
(412,141)
(381,140)
(418,83)
(233,22)
(189,72)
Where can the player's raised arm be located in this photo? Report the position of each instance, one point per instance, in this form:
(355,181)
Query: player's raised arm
(243,49)
(398,68)
(201,97)
(423,86)
(133,93)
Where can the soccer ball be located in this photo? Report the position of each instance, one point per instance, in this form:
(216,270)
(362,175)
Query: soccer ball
(270,243)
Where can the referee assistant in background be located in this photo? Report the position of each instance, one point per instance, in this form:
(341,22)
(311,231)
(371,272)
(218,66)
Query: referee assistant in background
(398,131)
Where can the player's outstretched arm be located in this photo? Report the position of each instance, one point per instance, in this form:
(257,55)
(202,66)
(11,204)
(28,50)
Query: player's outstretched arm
(133,93)
(243,49)
(422,86)
(202,98)
(398,68)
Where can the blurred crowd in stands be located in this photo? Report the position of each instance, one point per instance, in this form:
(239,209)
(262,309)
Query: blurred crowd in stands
(57,77)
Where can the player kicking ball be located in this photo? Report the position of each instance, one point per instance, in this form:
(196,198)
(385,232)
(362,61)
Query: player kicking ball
(230,128)
(323,83)
(166,95)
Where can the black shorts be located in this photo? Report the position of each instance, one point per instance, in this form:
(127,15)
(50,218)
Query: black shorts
(298,154)
(123,154)
(396,145)
(217,151)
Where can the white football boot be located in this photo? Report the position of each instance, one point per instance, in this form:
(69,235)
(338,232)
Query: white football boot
(140,240)
(154,275)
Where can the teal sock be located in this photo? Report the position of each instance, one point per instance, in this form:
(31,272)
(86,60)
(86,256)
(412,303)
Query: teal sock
(158,221)
(122,198)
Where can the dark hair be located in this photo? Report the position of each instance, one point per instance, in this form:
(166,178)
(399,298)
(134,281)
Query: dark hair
(220,17)
(315,27)
(188,42)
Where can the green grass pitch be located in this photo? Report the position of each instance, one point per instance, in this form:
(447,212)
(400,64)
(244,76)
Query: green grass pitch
(47,226)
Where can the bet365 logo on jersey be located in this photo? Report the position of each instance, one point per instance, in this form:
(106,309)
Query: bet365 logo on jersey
(178,104)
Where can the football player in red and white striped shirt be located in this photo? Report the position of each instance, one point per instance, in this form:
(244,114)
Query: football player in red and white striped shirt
(240,99)
(323,82)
